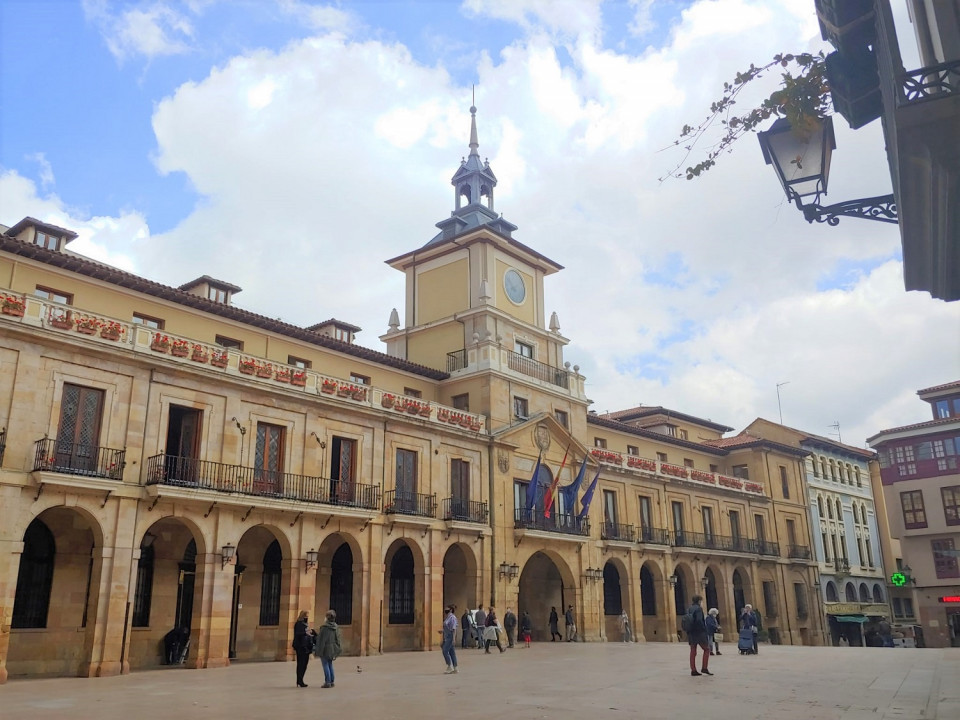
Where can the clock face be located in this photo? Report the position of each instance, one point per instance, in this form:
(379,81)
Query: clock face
(514,287)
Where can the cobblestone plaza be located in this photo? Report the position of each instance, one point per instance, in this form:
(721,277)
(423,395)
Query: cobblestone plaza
(592,680)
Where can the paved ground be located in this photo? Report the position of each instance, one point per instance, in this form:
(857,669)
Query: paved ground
(562,680)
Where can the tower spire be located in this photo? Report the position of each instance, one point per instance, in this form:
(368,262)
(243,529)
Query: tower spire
(474,144)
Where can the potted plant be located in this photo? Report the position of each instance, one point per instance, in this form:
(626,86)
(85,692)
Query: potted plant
(328,386)
(218,358)
(180,348)
(111,330)
(265,370)
(282,375)
(359,393)
(13,305)
(386,400)
(199,353)
(88,325)
(298,377)
(160,343)
(247,366)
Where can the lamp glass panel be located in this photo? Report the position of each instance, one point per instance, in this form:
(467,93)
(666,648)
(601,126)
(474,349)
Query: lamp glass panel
(802,162)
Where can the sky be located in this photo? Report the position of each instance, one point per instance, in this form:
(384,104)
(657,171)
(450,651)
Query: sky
(289,147)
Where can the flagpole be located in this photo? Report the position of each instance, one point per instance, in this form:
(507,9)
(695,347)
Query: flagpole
(548,503)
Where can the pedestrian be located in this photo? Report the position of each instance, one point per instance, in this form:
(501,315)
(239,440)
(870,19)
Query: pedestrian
(554,620)
(510,625)
(570,623)
(480,620)
(303,640)
(750,619)
(624,623)
(526,627)
(697,635)
(713,627)
(329,646)
(492,631)
(448,633)
(466,623)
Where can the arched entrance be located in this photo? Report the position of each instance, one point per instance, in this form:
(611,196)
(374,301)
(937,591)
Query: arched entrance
(683,591)
(403,621)
(543,586)
(739,593)
(59,572)
(711,591)
(260,602)
(654,615)
(339,588)
(615,599)
(460,578)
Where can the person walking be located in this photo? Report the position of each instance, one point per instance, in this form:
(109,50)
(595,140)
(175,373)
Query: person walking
(492,631)
(303,639)
(510,625)
(713,627)
(329,646)
(467,634)
(624,623)
(480,620)
(526,627)
(554,621)
(748,619)
(570,624)
(697,636)
(448,633)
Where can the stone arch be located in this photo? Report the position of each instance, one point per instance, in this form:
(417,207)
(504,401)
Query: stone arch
(460,577)
(741,591)
(877,593)
(58,575)
(263,599)
(714,590)
(831,594)
(616,595)
(652,609)
(404,596)
(545,582)
(864,593)
(850,592)
(684,589)
(339,587)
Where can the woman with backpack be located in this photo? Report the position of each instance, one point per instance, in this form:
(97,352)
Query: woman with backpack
(329,645)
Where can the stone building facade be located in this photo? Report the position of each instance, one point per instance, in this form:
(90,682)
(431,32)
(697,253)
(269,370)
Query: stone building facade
(170,461)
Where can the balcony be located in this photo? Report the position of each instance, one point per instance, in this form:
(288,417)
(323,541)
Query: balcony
(456,360)
(653,536)
(171,470)
(460,510)
(535,369)
(557,523)
(68,458)
(799,552)
(684,538)
(617,531)
(402,502)
(765,547)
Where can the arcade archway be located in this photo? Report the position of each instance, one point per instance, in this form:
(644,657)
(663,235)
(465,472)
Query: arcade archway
(545,583)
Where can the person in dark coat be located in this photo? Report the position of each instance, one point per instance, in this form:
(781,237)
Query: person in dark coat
(554,621)
(697,635)
(467,631)
(510,625)
(303,639)
(526,627)
(571,624)
(713,627)
(493,631)
(750,619)
(480,620)
(329,646)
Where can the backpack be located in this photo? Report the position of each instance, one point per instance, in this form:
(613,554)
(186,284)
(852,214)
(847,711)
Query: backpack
(686,622)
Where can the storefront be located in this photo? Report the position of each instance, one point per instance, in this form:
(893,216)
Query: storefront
(855,624)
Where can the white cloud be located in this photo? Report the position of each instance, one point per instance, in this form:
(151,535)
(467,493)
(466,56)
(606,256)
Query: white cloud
(45,169)
(150,29)
(317,161)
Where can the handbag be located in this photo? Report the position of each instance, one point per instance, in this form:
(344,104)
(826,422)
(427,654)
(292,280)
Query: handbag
(718,637)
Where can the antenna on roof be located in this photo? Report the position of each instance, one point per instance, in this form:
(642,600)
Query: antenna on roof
(779,409)
(836,426)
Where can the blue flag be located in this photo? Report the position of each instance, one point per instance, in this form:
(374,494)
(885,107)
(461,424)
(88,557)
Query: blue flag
(532,489)
(588,496)
(569,492)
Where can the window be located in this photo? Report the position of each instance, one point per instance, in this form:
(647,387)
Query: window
(800,596)
(770,598)
(461,402)
(856,475)
(610,507)
(402,593)
(51,242)
(521,408)
(707,514)
(523,349)
(741,471)
(646,512)
(735,527)
(714,468)
(816,469)
(897,607)
(227,342)
(677,509)
(681,433)
(460,489)
(599,442)
(908,607)
(358,379)
(826,548)
(633,450)
(35,577)
(942,407)
(562,418)
(216,294)
(869,552)
(342,335)
(341,584)
(791,532)
(662,457)
(760,527)
(784,483)
(143,590)
(412,392)
(819,506)
(687,462)
(343,469)
(270,585)
(268,459)
(914,515)
(81,410)
(303,365)
(406,475)
(951,504)
(147,321)
(53,295)
(833,470)
(944,558)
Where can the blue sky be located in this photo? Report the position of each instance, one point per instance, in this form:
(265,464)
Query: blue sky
(269,139)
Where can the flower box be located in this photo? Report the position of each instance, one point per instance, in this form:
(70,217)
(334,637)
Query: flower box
(328,386)
(86,329)
(282,375)
(359,394)
(265,371)
(443,415)
(730,482)
(702,476)
(218,359)
(753,488)
(343,391)
(199,354)
(13,305)
(109,333)
(641,463)
(387,400)
(160,343)
(179,350)
(614,458)
(62,322)
(247,367)
(299,378)
(674,470)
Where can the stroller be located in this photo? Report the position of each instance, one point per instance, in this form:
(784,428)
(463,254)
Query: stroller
(745,641)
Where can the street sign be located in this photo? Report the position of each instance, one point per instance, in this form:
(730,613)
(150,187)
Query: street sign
(950,599)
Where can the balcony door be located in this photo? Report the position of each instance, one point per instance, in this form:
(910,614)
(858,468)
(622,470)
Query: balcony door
(268,460)
(460,489)
(343,470)
(707,514)
(677,508)
(646,518)
(78,436)
(406,480)
(183,444)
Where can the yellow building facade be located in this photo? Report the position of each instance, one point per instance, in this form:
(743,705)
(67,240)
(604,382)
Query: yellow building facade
(170,461)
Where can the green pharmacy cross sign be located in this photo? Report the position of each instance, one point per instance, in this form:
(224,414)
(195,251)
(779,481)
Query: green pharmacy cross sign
(898,579)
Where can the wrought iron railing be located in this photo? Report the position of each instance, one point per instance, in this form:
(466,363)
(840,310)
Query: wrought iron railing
(456,360)
(566,524)
(220,477)
(536,369)
(72,458)
(455,508)
(617,531)
(841,565)
(798,552)
(401,502)
(765,547)
(932,82)
(654,536)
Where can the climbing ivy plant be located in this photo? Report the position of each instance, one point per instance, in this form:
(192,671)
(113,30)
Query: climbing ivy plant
(803,99)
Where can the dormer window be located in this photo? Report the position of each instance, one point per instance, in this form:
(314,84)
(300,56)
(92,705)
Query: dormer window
(217,294)
(214,290)
(46,240)
(51,237)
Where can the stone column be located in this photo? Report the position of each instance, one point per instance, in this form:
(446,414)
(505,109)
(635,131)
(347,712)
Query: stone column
(10,552)
(211,626)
